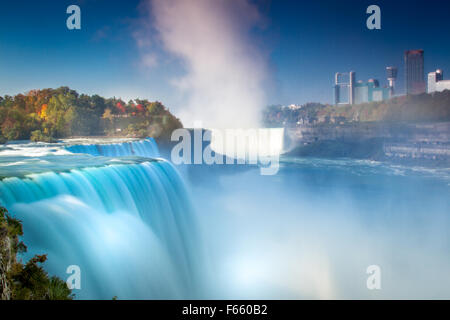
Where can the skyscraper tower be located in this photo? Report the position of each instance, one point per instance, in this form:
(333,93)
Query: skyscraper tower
(436,81)
(351,87)
(414,74)
(337,89)
(391,76)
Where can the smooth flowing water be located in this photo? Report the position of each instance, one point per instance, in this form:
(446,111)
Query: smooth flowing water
(139,230)
(127,223)
(312,230)
(142,148)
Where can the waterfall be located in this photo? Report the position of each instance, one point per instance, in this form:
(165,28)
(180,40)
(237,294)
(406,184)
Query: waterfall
(243,143)
(129,227)
(142,148)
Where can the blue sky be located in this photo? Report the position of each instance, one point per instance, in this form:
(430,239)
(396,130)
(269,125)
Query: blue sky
(306,43)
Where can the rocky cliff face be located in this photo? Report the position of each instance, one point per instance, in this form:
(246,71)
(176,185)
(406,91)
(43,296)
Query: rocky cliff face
(430,141)
(397,132)
(7,258)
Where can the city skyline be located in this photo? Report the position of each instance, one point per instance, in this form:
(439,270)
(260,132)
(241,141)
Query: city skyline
(226,155)
(354,91)
(302,45)
(414,71)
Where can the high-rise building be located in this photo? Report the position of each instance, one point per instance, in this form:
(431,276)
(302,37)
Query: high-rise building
(436,81)
(358,91)
(391,76)
(351,93)
(414,74)
(343,90)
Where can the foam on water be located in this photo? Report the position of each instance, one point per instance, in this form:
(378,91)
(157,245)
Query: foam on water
(142,148)
(123,217)
(129,227)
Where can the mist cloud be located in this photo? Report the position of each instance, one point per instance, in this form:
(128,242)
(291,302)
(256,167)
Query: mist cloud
(224,70)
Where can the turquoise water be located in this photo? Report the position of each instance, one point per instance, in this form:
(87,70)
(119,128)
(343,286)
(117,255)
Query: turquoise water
(140,230)
(141,148)
(126,222)
(312,230)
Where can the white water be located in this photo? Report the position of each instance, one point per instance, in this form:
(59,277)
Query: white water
(127,223)
(310,231)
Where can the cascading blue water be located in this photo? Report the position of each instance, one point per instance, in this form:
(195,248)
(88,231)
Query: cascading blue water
(129,227)
(142,148)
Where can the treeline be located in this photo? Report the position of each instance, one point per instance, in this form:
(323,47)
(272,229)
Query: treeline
(278,115)
(48,114)
(24,281)
(412,108)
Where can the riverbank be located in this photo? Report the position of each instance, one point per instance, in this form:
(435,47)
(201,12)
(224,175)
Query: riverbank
(426,143)
(378,149)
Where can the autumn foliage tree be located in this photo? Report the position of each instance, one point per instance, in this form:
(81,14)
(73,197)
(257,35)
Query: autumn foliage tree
(48,114)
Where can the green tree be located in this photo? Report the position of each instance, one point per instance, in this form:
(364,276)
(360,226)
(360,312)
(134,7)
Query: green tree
(60,114)
(155,108)
(29,281)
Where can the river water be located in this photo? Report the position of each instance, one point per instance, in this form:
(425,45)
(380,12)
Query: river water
(141,228)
